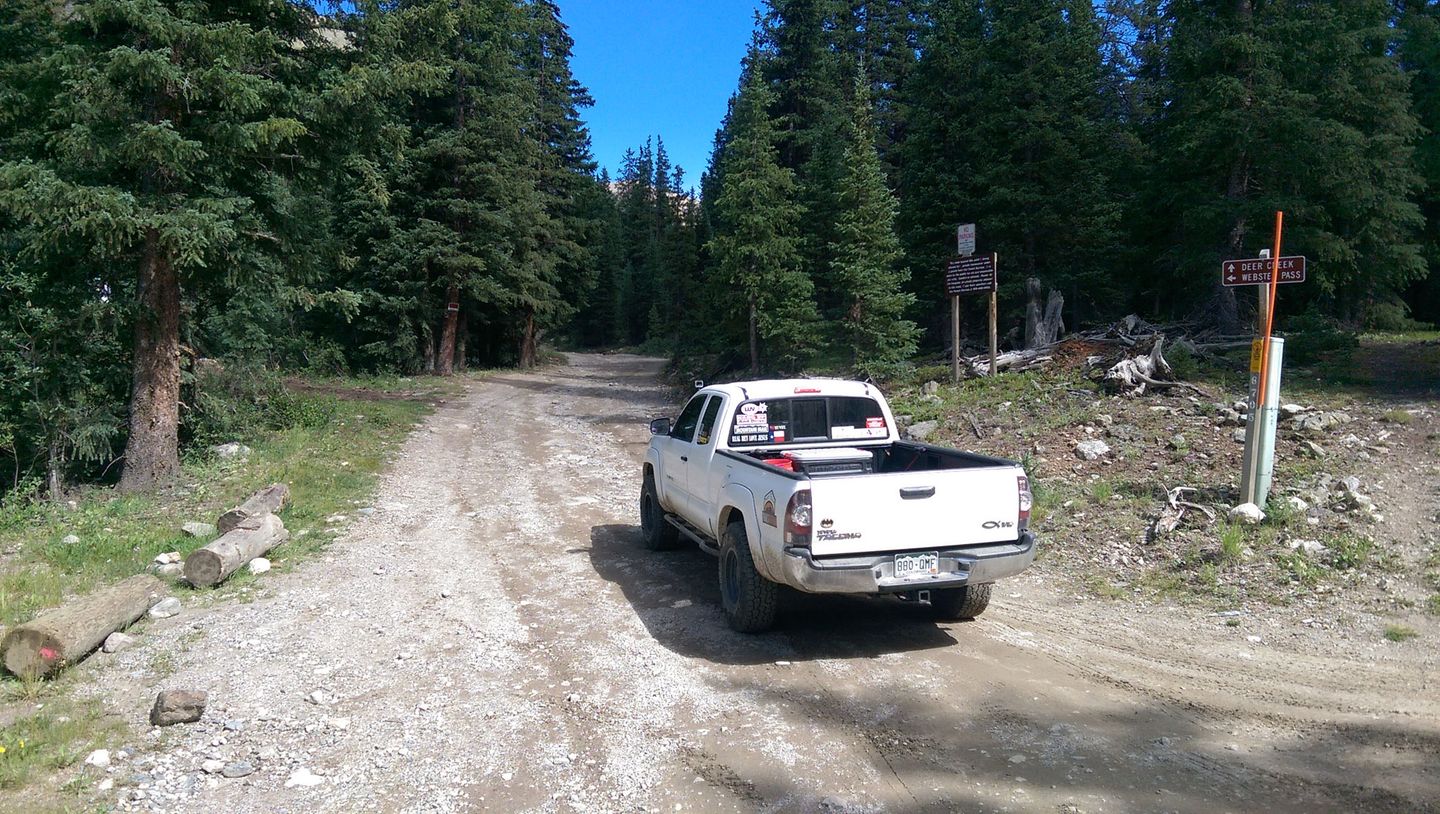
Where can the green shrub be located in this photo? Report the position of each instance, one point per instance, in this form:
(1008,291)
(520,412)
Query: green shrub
(1183,362)
(1399,633)
(1312,337)
(288,410)
(1393,316)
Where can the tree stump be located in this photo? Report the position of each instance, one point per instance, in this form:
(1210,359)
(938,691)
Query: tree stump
(69,633)
(270,500)
(212,564)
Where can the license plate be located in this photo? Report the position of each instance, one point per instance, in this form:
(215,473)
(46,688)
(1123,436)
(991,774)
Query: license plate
(916,565)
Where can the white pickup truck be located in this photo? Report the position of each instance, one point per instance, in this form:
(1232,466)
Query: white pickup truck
(806,483)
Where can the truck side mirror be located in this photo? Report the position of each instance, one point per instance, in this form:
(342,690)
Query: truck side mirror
(660,426)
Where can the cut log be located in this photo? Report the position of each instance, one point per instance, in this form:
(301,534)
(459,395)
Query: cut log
(69,633)
(254,537)
(270,500)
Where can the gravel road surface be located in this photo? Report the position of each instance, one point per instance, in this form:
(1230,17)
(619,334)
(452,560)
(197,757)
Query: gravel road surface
(494,638)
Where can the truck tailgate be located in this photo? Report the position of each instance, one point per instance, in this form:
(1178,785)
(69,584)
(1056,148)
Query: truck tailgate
(906,511)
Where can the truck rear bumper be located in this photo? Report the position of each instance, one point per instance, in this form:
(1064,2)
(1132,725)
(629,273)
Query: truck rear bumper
(875,574)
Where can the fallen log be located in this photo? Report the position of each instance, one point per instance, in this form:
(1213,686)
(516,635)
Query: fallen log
(254,537)
(270,500)
(69,633)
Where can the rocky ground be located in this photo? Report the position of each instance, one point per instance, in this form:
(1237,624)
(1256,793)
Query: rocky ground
(492,637)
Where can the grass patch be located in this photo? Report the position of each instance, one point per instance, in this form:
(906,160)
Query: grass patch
(1232,543)
(330,458)
(54,738)
(1399,633)
(1104,588)
(1398,417)
(1433,604)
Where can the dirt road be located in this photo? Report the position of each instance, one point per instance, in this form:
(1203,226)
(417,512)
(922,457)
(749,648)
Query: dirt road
(494,638)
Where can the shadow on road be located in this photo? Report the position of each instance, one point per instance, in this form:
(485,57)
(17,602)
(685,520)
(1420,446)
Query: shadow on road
(676,596)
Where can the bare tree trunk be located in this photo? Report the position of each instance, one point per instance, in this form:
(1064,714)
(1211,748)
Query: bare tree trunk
(152,453)
(754,339)
(462,344)
(529,357)
(54,471)
(428,351)
(445,365)
(1032,310)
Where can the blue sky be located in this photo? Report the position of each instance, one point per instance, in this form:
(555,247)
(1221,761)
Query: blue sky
(658,67)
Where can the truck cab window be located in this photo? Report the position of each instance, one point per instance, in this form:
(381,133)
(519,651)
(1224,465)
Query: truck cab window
(707,424)
(684,428)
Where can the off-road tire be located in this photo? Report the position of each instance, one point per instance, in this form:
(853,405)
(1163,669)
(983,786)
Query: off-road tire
(954,604)
(750,601)
(655,532)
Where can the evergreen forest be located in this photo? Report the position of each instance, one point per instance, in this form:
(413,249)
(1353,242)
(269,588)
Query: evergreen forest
(197,197)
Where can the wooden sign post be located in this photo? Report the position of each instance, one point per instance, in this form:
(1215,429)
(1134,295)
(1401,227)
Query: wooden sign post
(970,274)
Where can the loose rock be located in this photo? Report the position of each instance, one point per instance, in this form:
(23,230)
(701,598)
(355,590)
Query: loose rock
(303,778)
(1247,513)
(232,450)
(1092,450)
(117,641)
(165,608)
(922,430)
(198,529)
(259,565)
(239,768)
(178,707)
(100,758)
(71,539)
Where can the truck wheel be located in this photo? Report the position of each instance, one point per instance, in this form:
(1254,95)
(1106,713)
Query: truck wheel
(952,604)
(657,534)
(749,600)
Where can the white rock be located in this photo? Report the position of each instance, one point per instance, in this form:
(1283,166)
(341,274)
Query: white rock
(212,766)
(198,529)
(100,758)
(319,698)
(1297,503)
(1248,514)
(165,608)
(1308,546)
(118,641)
(303,778)
(168,557)
(1092,450)
(340,723)
(234,449)
(70,539)
(172,570)
(259,565)
(106,784)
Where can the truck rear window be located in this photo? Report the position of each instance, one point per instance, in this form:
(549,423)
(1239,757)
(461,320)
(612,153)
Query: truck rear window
(807,420)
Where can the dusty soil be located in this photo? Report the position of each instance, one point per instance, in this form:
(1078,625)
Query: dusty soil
(494,638)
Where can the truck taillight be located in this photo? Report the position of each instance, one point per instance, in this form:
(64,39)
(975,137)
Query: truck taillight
(798,519)
(1022,483)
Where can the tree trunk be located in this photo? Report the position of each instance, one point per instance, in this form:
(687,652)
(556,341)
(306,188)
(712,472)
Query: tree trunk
(1032,311)
(54,471)
(529,356)
(445,365)
(270,500)
(65,635)
(212,564)
(462,344)
(754,339)
(428,351)
(152,453)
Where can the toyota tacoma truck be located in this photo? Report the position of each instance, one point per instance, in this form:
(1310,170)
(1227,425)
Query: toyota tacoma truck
(807,484)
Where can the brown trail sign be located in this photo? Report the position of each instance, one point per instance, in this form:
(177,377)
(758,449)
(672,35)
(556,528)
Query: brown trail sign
(970,275)
(1257,271)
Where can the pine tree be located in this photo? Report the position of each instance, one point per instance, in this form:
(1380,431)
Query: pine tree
(755,248)
(163,153)
(1419,20)
(1296,107)
(866,256)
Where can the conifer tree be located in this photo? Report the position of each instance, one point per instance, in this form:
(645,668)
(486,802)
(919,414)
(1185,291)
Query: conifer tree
(755,248)
(1296,107)
(162,154)
(866,255)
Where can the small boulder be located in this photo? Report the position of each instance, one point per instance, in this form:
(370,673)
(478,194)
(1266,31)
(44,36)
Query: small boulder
(1238,436)
(1241,406)
(1348,484)
(178,707)
(165,608)
(1310,547)
(1247,514)
(1288,411)
(932,400)
(239,768)
(231,451)
(171,570)
(1124,432)
(1297,503)
(117,641)
(1312,449)
(922,430)
(168,557)
(212,766)
(1177,442)
(100,758)
(259,565)
(930,388)
(1092,450)
(197,529)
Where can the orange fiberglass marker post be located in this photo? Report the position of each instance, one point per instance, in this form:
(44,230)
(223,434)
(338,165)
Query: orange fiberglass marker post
(1270,312)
